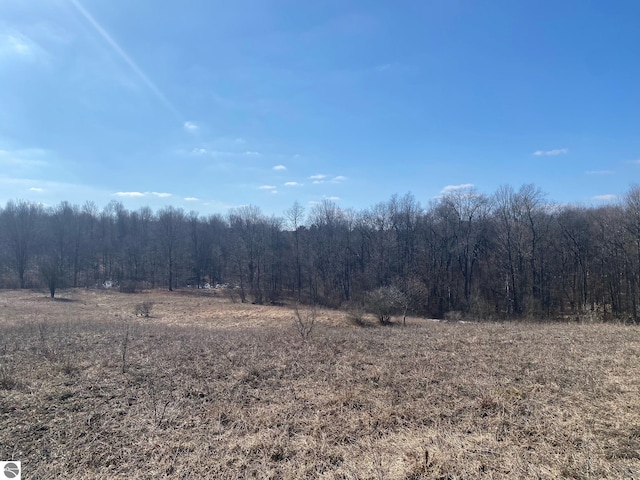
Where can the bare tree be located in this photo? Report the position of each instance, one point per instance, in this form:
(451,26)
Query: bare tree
(171,235)
(632,224)
(466,211)
(248,227)
(295,219)
(20,225)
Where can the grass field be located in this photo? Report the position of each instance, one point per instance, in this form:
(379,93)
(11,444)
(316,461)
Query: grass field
(207,388)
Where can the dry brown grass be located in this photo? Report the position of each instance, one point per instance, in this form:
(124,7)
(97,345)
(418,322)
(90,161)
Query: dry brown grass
(214,389)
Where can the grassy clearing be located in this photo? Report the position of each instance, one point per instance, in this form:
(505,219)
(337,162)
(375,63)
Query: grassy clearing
(213,389)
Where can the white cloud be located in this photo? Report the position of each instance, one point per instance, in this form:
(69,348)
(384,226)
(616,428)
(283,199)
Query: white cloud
(269,188)
(456,188)
(191,199)
(606,197)
(557,151)
(129,194)
(333,199)
(199,151)
(318,179)
(190,127)
(339,178)
(600,172)
(36,189)
(142,194)
(293,184)
(228,153)
(20,46)
(279,168)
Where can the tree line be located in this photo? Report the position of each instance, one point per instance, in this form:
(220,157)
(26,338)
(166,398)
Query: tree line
(511,254)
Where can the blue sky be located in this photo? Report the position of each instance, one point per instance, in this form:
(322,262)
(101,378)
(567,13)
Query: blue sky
(208,105)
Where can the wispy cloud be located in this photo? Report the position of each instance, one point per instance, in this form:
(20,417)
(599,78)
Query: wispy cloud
(267,187)
(18,45)
(143,194)
(318,178)
(456,188)
(551,153)
(224,153)
(124,56)
(129,194)
(36,189)
(332,198)
(28,157)
(608,197)
(293,184)
(190,127)
(279,168)
(339,179)
(599,172)
(190,199)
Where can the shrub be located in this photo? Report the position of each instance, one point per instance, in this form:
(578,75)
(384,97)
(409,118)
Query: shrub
(453,316)
(143,309)
(356,315)
(305,320)
(129,287)
(384,302)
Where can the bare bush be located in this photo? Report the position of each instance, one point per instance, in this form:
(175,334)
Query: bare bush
(384,302)
(453,316)
(8,378)
(143,309)
(130,287)
(160,397)
(50,273)
(356,315)
(305,320)
(125,345)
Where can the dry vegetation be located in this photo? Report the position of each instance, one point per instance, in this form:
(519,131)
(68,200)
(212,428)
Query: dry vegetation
(215,389)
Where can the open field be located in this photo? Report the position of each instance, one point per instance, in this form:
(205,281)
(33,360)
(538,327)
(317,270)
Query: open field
(214,389)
